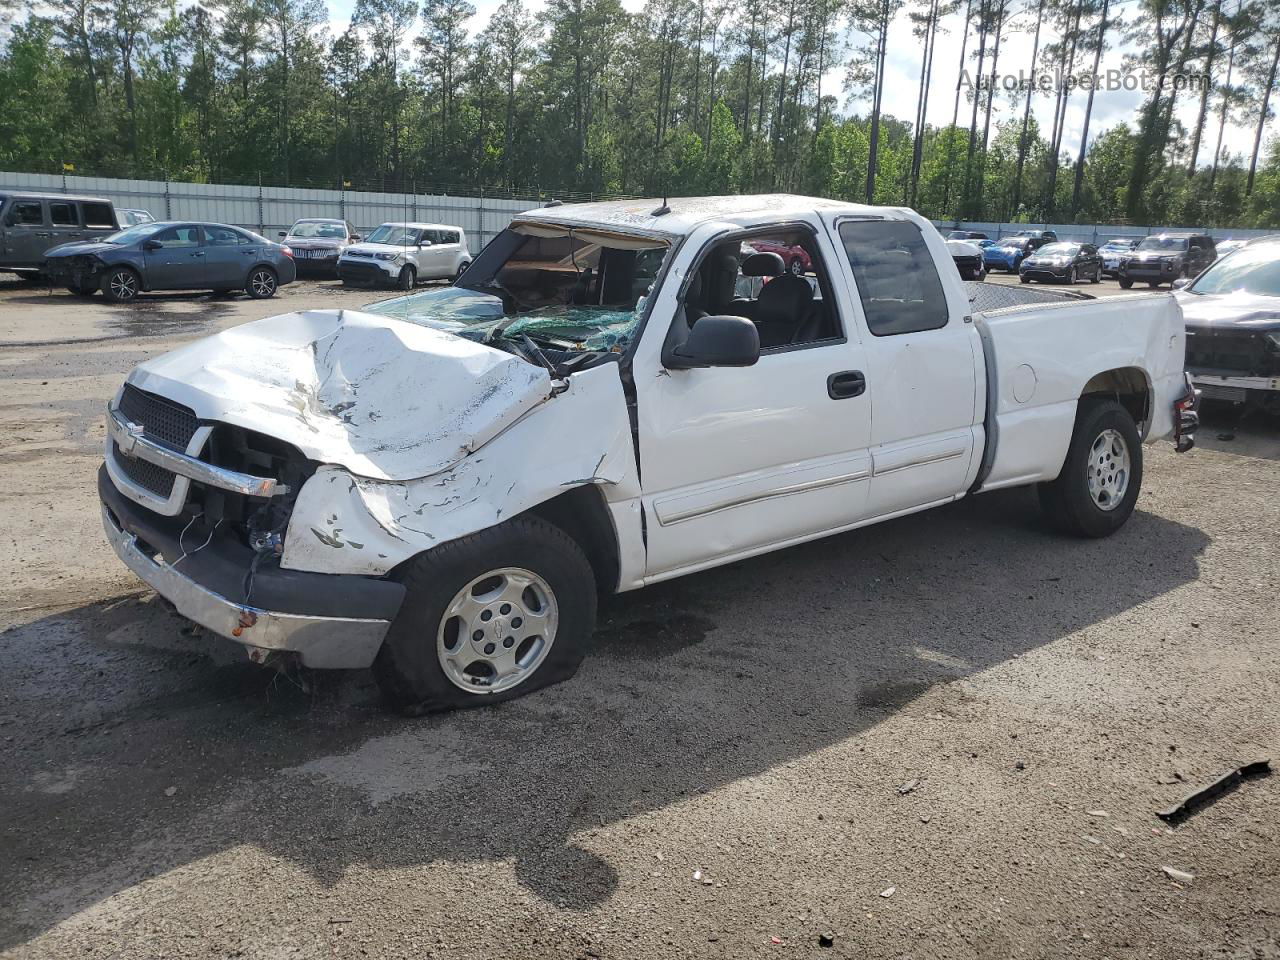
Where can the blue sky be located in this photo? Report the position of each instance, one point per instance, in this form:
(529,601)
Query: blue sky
(903,78)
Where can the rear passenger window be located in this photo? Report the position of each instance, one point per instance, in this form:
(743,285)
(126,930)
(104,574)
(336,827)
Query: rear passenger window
(896,276)
(26,213)
(62,214)
(221,236)
(448,236)
(98,215)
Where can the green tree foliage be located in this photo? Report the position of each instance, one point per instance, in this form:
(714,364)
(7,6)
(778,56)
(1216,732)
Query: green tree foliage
(682,97)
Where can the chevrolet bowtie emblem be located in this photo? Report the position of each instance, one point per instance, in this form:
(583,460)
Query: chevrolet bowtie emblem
(133,433)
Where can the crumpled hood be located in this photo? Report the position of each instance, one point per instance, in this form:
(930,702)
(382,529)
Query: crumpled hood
(381,248)
(80,248)
(385,399)
(963,248)
(1229,309)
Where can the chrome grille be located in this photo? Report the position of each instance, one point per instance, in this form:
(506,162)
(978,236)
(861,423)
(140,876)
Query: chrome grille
(147,475)
(163,421)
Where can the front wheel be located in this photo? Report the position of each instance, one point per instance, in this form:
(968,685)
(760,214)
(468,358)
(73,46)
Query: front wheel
(1125,283)
(1097,275)
(82,289)
(121,285)
(1098,487)
(491,616)
(1022,277)
(404,281)
(796,266)
(1072,276)
(261,284)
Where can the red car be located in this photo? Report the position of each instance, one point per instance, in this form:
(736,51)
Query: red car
(796,258)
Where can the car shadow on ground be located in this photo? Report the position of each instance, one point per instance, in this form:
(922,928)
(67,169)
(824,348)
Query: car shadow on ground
(692,685)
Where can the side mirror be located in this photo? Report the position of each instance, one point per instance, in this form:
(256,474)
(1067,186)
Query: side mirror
(355,238)
(424,243)
(1182,282)
(717,341)
(152,245)
(283,233)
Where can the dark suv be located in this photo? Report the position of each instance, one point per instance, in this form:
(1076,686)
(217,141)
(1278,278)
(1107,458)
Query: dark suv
(31,223)
(1164,257)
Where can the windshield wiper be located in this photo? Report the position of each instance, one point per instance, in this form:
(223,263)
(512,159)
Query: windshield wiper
(543,360)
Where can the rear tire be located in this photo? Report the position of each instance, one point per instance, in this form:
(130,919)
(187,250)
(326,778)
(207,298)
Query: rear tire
(1098,487)
(121,285)
(796,266)
(434,658)
(1022,277)
(261,283)
(1071,276)
(1125,283)
(82,290)
(461,269)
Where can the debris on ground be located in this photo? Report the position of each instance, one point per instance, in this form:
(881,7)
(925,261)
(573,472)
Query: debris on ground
(1098,813)
(777,941)
(1180,875)
(908,787)
(889,892)
(827,939)
(170,791)
(1207,794)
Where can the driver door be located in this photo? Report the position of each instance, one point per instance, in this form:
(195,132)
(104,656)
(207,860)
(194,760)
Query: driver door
(179,262)
(739,460)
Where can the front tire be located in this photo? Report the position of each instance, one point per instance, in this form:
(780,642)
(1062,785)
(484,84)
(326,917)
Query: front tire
(1023,278)
(82,290)
(1125,283)
(489,617)
(406,278)
(796,266)
(261,284)
(121,285)
(1099,484)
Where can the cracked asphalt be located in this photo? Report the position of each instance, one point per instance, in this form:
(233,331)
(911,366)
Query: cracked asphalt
(940,737)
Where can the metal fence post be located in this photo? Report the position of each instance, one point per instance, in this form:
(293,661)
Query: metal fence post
(261,225)
(413,188)
(480,231)
(168,206)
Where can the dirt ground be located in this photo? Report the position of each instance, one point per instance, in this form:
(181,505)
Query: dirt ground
(940,737)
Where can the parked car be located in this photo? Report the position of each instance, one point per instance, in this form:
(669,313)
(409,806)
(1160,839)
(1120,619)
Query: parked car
(439,486)
(1035,238)
(1113,251)
(1006,254)
(132,217)
(404,253)
(796,259)
(31,223)
(966,235)
(1065,262)
(1163,258)
(172,256)
(317,244)
(1232,312)
(968,259)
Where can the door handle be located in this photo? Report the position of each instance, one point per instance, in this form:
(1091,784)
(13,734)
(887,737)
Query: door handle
(847,383)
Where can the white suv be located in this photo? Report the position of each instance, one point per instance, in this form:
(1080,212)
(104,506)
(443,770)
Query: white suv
(404,253)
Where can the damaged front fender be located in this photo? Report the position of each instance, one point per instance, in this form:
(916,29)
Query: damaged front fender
(344,523)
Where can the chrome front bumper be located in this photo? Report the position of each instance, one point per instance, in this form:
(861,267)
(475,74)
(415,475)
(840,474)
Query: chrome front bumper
(322,642)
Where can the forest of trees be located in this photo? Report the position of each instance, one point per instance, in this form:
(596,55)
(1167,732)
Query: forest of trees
(685,97)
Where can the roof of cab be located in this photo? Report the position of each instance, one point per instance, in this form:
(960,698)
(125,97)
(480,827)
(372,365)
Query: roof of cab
(687,213)
(51,195)
(422,226)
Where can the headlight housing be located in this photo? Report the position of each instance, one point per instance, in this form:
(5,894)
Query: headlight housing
(388,256)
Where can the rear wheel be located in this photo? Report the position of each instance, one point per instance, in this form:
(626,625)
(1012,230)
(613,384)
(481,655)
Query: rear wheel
(121,285)
(1071,275)
(1153,284)
(82,289)
(796,266)
(1024,278)
(261,284)
(1098,487)
(491,616)
(461,268)
(1125,283)
(1097,275)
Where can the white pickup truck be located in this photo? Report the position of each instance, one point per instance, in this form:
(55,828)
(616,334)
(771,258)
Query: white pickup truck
(613,394)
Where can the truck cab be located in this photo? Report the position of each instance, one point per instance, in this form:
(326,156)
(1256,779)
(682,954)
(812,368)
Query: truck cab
(32,223)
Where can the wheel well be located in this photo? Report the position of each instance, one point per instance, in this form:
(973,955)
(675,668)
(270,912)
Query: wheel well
(581,513)
(1126,385)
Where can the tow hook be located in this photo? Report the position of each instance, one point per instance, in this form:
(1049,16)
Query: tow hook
(1186,417)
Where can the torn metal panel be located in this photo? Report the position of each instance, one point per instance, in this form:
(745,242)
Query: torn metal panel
(384,399)
(342,523)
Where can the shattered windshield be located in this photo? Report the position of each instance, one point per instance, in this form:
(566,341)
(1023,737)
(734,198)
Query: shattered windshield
(570,289)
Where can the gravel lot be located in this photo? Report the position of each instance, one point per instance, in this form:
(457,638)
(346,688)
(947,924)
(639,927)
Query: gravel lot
(731,773)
